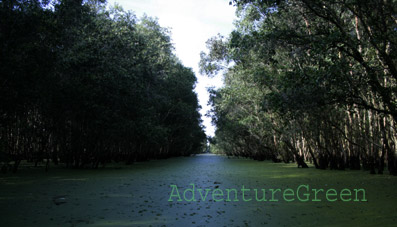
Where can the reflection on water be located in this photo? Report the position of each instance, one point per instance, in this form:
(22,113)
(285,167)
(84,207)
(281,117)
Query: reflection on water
(138,195)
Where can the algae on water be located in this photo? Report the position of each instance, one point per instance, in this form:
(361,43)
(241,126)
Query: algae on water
(138,195)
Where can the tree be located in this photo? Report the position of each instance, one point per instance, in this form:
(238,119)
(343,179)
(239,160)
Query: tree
(326,72)
(82,85)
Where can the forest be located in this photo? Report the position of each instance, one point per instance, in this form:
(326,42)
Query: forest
(100,122)
(308,81)
(82,85)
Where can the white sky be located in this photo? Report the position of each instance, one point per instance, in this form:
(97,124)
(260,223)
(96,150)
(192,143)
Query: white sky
(192,23)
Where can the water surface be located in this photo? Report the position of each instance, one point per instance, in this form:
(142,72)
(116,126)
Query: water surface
(138,195)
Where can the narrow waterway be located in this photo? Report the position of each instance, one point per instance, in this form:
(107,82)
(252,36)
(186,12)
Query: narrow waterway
(138,195)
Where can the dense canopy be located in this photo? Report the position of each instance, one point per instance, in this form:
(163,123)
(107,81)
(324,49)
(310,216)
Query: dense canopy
(308,81)
(83,85)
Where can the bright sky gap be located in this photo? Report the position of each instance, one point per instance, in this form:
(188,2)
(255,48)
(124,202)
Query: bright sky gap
(192,23)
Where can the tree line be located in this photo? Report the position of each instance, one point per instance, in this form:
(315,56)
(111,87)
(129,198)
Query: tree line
(84,85)
(308,81)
